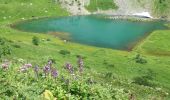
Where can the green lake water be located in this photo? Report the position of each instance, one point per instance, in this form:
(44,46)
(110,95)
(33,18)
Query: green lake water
(95,31)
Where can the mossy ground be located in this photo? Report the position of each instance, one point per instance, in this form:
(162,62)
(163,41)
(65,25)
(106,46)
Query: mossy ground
(155,49)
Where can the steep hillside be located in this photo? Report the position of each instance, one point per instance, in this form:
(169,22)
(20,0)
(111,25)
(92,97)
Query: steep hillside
(157,8)
(129,7)
(161,8)
(75,7)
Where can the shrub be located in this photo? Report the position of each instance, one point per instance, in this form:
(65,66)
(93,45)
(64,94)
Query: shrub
(48,39)
(64,52)
(150,74)
(10,41)
(2,41)
(35,40)
(140,59)
(145,79)
(108,64)
(81,56)
(4,47)
(142,81)
(16,46)
(109,75)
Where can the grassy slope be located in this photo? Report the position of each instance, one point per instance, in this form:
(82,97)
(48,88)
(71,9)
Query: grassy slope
(17,9)
(101,5)
(157,43)
(124,65)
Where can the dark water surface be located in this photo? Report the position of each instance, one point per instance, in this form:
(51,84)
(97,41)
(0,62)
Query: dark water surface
(95,31)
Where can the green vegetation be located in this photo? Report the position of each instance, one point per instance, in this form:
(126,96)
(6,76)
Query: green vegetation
(27,9)
(35,40)
(142,73)
(101,5)
(162,8)
(29,82)
(64,52)
(4,48)
(157,44)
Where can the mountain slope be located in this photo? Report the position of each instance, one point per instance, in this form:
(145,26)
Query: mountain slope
(157,8)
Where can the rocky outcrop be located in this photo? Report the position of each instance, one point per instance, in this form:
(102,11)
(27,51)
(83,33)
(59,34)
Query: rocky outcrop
(146,7)
(129,7)
(125,7)
(75,7)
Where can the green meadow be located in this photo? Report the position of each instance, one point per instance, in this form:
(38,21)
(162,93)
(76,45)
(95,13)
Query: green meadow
(142,73)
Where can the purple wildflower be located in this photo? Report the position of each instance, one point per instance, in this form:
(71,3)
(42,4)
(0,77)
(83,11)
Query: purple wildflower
(50,62)
(80,64)
(69,67)
(47,69)
(54,73)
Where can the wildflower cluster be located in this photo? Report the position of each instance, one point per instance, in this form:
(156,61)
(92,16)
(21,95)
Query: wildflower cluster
(25,67)
(48,69)
(70,86)
(5,65)
(69,67)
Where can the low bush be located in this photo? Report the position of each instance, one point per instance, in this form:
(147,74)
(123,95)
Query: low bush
(146,79)
(108,64)
(5,48)
(64,52)
(142,80)
(140,59)
(35,40)
(16,46)
(109,75)
(48,39)
(2,41)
